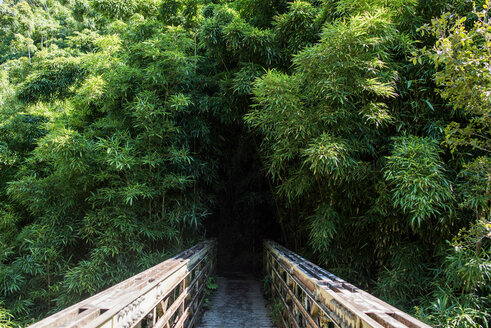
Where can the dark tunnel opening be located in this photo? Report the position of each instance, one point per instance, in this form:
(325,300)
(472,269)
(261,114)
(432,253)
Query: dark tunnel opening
(243,214)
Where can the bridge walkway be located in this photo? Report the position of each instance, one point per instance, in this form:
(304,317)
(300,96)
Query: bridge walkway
(172,293)
(237,303)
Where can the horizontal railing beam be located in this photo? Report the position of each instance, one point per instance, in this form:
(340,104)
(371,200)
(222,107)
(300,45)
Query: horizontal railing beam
(149,296)
(314,297)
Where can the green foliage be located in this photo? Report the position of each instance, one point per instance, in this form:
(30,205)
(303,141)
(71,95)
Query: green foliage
(260,12)
(461,58)
(115,9)
(101,171)
(462,296)
(298,27)
(416,175)
(125,124)
(345,142)
(463,54)
(315,137)
(52,79)
(5,319)
(210,288)
(276,311)
(185,13)
(469,268)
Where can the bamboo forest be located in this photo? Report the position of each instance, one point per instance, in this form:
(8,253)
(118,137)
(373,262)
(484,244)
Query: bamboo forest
(356,133)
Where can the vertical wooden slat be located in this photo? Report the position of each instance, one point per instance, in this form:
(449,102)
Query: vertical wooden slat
(314,297)
(133,301)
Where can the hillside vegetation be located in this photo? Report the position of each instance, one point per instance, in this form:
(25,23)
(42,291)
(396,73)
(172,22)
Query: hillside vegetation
(365,124)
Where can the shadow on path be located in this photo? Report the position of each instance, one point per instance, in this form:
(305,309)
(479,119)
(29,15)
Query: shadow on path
(237,303)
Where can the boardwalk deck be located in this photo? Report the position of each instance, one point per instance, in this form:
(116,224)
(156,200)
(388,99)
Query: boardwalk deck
(171,293)
(238,303)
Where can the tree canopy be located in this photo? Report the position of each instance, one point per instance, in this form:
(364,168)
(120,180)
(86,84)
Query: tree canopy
(356,132)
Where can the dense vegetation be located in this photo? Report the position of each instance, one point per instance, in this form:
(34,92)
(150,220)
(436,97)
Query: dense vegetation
(131,129)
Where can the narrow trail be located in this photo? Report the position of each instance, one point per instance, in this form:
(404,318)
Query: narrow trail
(238,303)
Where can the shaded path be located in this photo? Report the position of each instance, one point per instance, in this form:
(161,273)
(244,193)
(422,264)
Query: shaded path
(238,303)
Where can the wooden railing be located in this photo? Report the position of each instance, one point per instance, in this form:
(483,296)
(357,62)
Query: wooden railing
(312,297)
(169,294)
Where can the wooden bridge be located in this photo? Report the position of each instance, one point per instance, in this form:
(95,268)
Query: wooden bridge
(172,294)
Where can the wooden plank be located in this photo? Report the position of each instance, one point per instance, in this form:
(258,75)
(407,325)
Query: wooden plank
(238,302)
(344,312)
(134,298)
(350,306)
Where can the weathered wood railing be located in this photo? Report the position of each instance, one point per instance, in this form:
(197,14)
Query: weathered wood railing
(313,297)
(169,294)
